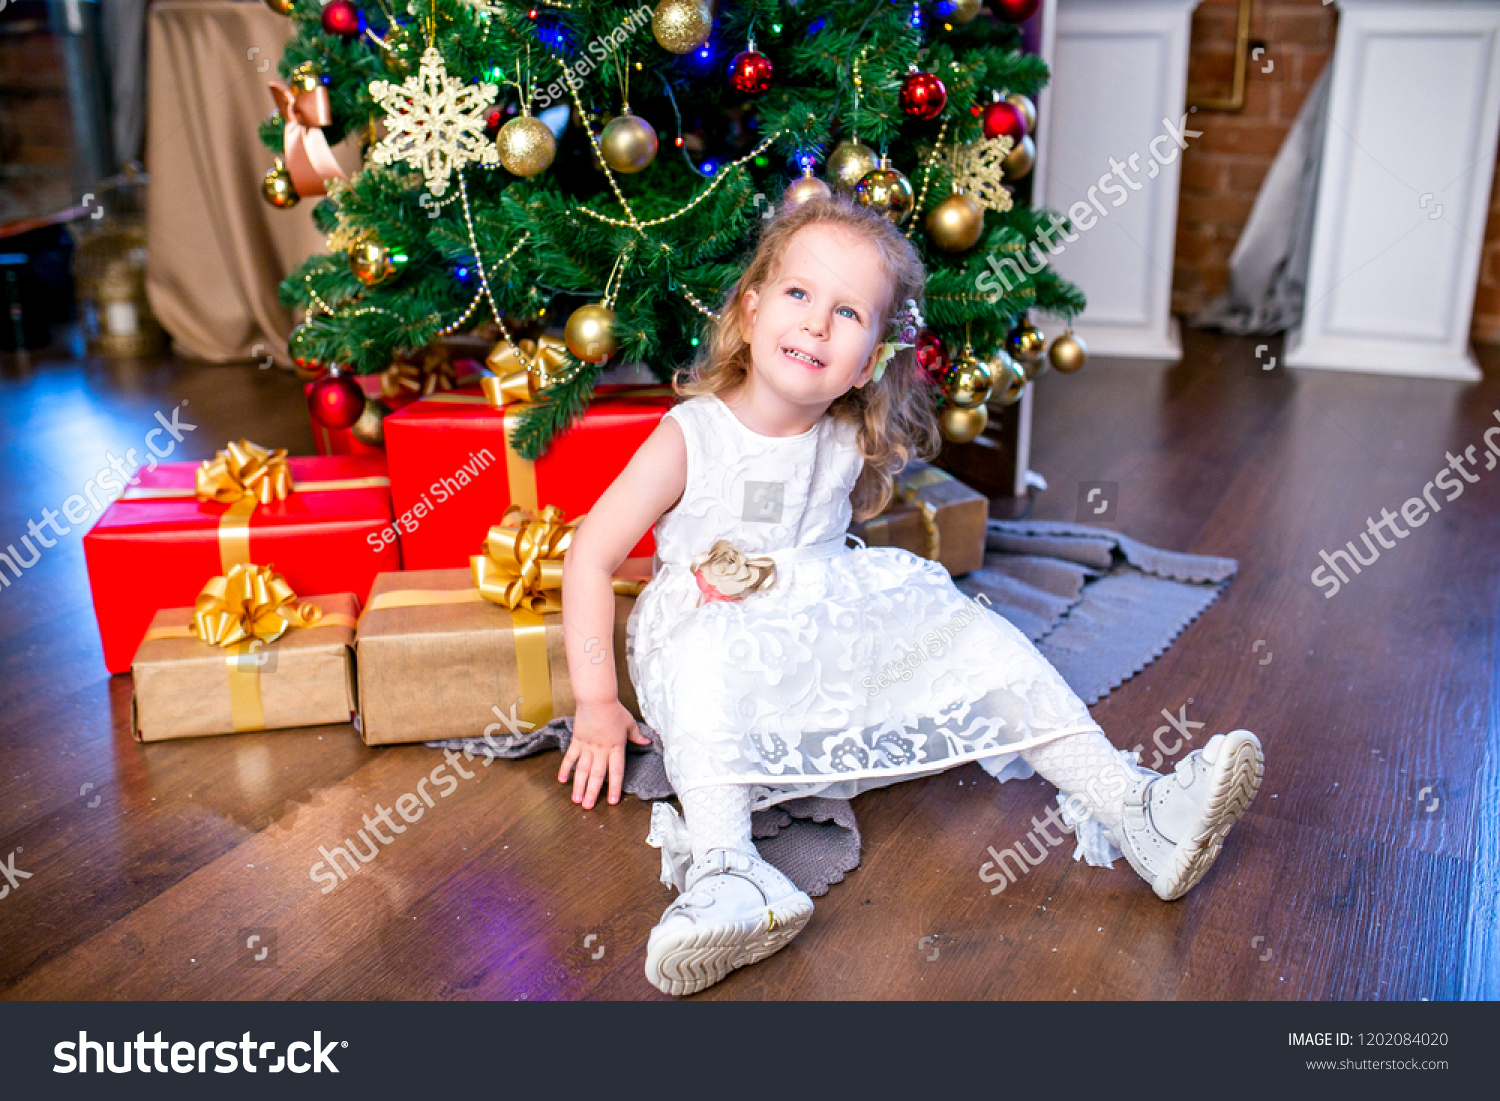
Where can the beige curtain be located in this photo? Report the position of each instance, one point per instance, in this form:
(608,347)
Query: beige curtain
(217,249)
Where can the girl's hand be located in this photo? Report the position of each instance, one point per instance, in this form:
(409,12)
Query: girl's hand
(600,731)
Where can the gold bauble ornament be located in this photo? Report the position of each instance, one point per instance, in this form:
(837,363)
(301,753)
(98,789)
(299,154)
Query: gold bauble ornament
(371,262)
(1010,379)
(1020,160)
(590,333)
(526,146)
(887,191)
(370,428)
(681,26)
(962,425)
(628,143)
(849,163)
(1027,343)
(280,7)
(1026,106)
(964,11)
(801,190)
(968,382)
(955,223)
(1068,353)
(395,50)
(277,187)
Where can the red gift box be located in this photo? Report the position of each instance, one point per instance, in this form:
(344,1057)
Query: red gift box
(156,546)
(453,472)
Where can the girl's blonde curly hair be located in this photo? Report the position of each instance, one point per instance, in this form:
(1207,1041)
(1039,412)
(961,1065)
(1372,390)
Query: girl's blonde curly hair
(894,416)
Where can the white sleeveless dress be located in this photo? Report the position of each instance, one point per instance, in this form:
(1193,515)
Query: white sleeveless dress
(858,667)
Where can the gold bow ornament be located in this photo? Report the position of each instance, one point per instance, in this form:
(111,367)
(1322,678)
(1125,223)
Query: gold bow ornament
(305,110)
(523,368)
(522,563)
(249,604)
(412,377)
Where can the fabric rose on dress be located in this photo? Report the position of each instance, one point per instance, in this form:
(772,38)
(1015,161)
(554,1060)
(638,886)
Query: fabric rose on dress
(726,573)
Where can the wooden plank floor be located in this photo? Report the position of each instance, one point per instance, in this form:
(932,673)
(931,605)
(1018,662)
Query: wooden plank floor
(150,866)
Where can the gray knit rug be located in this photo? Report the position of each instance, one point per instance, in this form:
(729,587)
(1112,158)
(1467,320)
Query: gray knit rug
(1098,605)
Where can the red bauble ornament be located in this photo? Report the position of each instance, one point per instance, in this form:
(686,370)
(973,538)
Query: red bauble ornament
(932,357)
(336,401)
(1003,118)
(923,96)
(750,72)
(1014,11)
(492,121)
(342,18)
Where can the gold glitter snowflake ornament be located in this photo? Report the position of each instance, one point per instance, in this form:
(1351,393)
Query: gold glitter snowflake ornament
(978,168)
(434,122)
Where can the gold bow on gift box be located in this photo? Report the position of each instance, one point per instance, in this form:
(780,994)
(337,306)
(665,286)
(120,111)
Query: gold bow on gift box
(407,377)
(522,563)
(250,603)
(523,368)
(305,109)
(242,470)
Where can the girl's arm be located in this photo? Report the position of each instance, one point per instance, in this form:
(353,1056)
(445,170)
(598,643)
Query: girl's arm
(650,484)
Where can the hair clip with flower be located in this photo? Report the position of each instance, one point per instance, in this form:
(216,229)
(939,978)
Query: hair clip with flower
(905,326)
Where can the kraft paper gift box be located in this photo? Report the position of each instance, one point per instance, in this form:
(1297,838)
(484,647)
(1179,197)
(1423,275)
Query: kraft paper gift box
(186,688)
(435,660)
(453,470)
(934,515)
(154,546)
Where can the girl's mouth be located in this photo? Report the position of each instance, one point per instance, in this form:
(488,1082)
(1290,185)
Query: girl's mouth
(798,356)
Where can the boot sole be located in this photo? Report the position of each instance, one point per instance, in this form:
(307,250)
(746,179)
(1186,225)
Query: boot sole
(1236,779)
(696,958)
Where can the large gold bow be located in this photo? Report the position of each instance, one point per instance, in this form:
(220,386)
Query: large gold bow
(408,376)
(523,368)
(305,109)
(244,470)
(522,563)
(252,602)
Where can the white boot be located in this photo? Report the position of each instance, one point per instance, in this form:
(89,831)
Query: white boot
(735,909)
(1174,825)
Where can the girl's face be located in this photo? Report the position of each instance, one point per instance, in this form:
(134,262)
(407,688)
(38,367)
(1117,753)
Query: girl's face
(813,326)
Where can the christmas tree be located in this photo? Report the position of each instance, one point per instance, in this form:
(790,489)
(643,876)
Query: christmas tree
(606,165)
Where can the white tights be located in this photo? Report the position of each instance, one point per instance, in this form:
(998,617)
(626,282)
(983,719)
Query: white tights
(719,816)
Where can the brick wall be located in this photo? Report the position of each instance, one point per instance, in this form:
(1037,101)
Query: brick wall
(1222,171)
(36,129)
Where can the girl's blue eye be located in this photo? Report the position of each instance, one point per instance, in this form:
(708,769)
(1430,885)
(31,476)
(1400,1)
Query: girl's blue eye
(798,290)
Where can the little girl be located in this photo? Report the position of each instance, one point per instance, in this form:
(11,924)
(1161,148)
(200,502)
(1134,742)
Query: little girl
(755,646)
